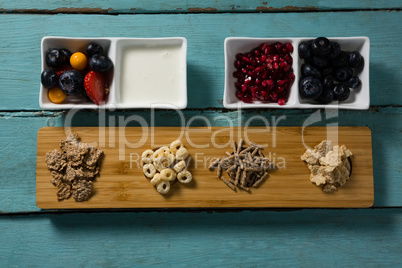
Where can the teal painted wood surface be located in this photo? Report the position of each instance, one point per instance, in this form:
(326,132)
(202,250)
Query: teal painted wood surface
(144,6)
(305,238)
(21,35)
(30,237)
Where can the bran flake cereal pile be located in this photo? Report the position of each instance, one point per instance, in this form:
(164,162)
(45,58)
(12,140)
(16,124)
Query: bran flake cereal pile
(73,168)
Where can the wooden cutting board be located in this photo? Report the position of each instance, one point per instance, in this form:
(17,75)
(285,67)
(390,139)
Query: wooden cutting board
(121,183)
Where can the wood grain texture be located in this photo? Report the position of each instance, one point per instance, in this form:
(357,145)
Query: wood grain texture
(304,238)
(205,33)
(18,143)
(144,6)
(121,183)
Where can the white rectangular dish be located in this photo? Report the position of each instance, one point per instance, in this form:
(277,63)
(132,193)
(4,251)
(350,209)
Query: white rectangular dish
(148,73)
(358,100)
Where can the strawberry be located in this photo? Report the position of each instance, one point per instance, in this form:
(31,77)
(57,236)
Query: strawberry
(59,71)
(95,86)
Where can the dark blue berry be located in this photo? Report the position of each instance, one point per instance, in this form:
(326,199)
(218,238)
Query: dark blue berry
(93,48)
(327,71)
(326,96)
(49,78)
(354,82)
(328,82)
(55,58)
(320,62)
(305,50)
(335,50)
(67,53)
(310,88)
(341,60)
(71,82)
(321,46)
(100,63)
(310,70)
(343,73)
(355,59)
(341,92)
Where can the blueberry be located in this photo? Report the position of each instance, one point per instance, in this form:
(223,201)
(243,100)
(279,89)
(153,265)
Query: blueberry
(341,92)
(341,60)
(335,50)
(321,46)
(354,82)
(328,82)
(355,59)
(67,53)
(343,73)
(320,62)
(49,78)
(55,58)
(93,48)
(326,96)
(305,50)
(71,82)
(100,63)
(327,71)
(310,70)
(310,88)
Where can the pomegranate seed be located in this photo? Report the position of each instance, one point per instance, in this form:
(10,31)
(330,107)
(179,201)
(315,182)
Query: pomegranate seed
(274,96)
(289,47)
(276,66)
(280,89)
(246,99)
(280,82)
(263,46)
(239,56)
(281,101)
(278,46)
(245,59)
(268,50)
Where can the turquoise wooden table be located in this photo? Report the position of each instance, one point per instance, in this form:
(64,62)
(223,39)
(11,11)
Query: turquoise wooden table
(31,237)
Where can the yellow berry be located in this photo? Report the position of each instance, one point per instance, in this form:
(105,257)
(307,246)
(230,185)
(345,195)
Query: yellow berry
(56,95)
(78,61)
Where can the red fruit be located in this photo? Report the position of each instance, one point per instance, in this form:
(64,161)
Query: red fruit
(95,86)
(281,101)
(59,71)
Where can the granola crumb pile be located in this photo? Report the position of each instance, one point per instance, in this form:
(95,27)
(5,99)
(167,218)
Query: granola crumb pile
(73,168)
(330,166)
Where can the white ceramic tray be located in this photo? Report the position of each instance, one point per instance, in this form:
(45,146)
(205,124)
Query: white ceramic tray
(114,48)
(359,99)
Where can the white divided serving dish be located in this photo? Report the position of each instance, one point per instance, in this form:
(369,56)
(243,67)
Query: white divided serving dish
(155,83)
(358,100)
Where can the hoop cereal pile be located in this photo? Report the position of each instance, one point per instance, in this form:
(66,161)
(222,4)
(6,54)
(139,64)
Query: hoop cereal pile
(166,165)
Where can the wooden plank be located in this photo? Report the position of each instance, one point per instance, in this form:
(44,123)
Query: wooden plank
(18,143)
(205,34)
(143,6)
(122,184)
(304,238)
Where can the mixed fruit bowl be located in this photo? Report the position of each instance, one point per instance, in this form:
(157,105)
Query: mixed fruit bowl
(75,73)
